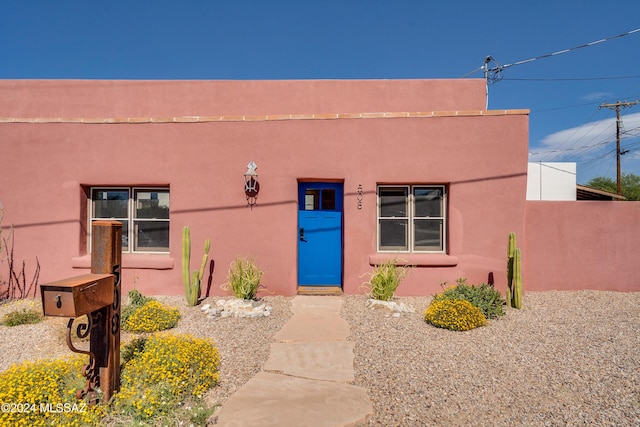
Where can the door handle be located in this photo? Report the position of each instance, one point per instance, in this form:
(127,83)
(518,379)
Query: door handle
(302,235)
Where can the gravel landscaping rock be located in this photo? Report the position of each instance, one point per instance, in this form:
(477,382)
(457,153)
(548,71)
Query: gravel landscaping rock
(566,358)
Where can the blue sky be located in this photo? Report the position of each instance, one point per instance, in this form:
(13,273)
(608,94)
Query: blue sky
(343,39)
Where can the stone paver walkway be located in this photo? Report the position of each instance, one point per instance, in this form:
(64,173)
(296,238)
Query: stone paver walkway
(305,381)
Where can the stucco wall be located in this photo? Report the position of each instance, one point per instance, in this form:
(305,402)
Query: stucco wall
(139,98)
(481,158)
(581,245)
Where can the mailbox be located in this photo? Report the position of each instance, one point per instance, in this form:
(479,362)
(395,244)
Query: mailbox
(78,295)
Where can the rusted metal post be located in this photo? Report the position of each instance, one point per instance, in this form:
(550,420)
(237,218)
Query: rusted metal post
(106,258)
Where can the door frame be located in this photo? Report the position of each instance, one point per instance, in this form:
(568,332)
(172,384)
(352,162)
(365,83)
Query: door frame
(302,186)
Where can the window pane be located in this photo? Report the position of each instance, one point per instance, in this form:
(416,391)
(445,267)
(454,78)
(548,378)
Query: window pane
(428,234)
(393,234)
(311,200)
(428,202)
(393,202)
(329,199)
(110,203)
(125,236)
(152,236)
(152,204)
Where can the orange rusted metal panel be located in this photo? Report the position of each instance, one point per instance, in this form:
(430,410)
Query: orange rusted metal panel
(78,295)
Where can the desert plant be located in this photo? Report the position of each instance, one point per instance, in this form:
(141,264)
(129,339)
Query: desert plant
(132,349)
(514,273)
(164,372)
(163,379)
(151,317)
(35,385)
(483,296)
(22,317)
(385,279)
(16,286)
(192,283)
(454,314)
(136,300)
(243,278)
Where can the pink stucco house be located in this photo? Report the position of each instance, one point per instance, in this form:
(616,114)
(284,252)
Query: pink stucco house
(349,174)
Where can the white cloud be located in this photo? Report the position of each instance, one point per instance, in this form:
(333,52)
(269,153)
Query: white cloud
(583,141)
(594,96)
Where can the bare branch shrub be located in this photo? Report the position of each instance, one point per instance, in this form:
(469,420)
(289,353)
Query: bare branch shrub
(16,286)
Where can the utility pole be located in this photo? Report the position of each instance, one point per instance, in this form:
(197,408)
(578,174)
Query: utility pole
(616,106)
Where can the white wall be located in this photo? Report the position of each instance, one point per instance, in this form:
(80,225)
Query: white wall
(551,181)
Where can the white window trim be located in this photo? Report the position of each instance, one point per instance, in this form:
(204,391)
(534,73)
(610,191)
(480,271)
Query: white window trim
(410,219)
(131,220)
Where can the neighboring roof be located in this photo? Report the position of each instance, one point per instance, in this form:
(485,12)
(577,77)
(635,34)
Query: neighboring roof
(588,193)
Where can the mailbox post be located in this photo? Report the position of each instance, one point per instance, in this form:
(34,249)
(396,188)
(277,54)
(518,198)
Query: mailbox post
(98,295)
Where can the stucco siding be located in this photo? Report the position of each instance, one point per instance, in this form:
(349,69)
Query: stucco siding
(581,245)
(481,158)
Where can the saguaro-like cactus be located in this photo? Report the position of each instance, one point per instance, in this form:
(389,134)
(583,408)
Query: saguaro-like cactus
(517,280)
(514,273)
(192,283)
(510,251)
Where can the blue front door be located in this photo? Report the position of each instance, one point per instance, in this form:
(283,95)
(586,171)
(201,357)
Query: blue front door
(320,233)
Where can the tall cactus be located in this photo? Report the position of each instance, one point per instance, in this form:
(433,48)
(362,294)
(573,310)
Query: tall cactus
(510,251)
(514,274)
(517,280)
(192,284)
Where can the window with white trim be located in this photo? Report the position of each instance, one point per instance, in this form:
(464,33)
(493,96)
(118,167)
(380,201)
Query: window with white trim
(143,211)
(412,218)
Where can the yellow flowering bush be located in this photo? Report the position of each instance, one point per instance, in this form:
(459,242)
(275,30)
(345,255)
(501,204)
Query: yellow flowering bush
(42,393)
(164,371)
(151,317)
(457,315)
(163,379)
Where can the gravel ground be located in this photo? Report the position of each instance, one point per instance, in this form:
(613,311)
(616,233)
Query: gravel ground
(566,358)
(244,344)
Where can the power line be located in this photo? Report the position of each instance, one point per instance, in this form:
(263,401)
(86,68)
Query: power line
(495,74)
(578,129)
(552,79)
(565,107)
(546,165)
(569,149)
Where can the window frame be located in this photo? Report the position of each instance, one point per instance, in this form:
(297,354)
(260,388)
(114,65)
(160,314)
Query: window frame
(410,218)
(132,219)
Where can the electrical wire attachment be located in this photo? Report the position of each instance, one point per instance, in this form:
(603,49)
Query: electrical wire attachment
(494,74)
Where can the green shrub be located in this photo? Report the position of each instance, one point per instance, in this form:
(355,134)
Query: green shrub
(151,317)
(243,279)
(136,300)
(457,315)
(483,296)
(22,317)
(385,279)
(132,349)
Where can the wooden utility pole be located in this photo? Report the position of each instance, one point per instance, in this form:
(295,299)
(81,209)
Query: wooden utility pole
(616,106)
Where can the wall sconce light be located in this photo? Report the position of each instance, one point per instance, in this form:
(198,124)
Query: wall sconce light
(251,184)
